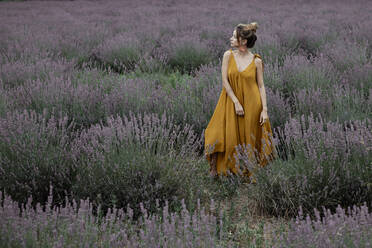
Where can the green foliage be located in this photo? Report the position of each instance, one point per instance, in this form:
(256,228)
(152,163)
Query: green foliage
(127,177)
(284,186)
(187,58)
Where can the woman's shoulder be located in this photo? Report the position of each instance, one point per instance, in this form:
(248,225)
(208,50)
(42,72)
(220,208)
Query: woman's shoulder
(258,60)
(228,52)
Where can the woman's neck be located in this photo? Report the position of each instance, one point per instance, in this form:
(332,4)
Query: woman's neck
(243,52)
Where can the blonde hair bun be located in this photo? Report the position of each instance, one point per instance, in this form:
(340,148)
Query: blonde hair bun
(247,32)
(253,26)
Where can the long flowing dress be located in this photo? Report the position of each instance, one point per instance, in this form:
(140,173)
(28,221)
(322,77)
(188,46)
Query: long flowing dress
(226,129)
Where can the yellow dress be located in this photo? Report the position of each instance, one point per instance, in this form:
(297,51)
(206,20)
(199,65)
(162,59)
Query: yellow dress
(226,129)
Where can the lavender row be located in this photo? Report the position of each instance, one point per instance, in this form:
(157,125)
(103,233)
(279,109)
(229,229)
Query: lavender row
(128,160)
(89,96)
(346,227)
(75,225)
(322,163)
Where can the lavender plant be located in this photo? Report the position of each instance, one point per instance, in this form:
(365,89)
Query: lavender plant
(80,102)
(353,53)
(136,159)
(16,72)
(299,72)
(347,102)
(119,53)
(74,225)
(35,151)
(186,53)
(327,164)
(351,227)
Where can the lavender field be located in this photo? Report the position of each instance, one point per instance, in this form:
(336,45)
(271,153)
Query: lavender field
(104,105)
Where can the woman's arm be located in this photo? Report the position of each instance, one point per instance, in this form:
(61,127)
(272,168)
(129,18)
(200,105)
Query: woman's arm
(261,86)
(225,81)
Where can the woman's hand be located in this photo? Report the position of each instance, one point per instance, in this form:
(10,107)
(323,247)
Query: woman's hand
(239,109)
(263,117)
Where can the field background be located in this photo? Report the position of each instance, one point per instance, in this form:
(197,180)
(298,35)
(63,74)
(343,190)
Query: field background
(107,102)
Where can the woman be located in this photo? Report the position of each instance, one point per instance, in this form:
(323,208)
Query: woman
(240,116)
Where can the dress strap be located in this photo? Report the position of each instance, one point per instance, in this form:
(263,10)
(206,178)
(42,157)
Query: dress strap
(256,55)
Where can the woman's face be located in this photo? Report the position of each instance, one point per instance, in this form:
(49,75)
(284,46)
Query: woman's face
(234,40)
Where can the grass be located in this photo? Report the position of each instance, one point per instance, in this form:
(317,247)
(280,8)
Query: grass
(246,221)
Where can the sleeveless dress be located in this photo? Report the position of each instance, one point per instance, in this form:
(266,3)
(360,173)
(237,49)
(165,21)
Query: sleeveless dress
(226,129)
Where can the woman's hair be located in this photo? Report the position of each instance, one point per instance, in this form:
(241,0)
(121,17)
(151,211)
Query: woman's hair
(248,32)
